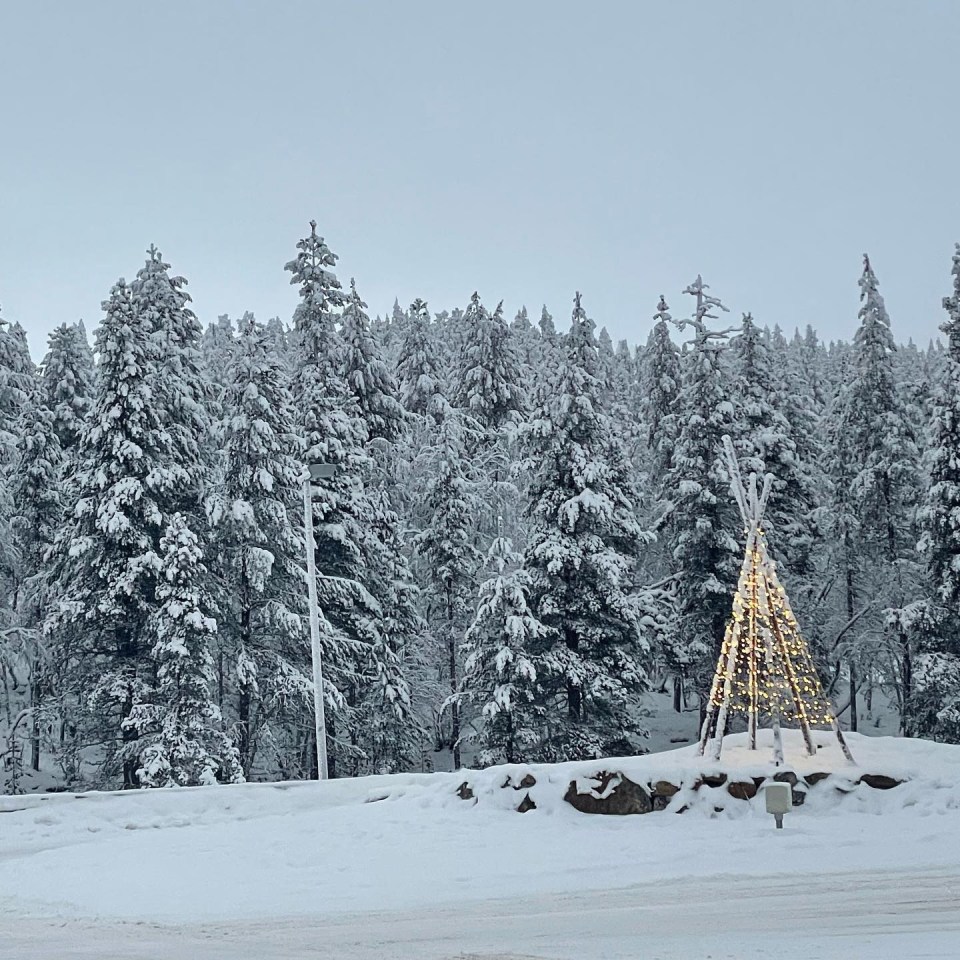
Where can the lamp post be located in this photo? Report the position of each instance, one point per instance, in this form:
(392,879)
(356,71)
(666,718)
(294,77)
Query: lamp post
(316,471)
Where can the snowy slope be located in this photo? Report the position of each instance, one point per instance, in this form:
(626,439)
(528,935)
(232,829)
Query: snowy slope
(280,870)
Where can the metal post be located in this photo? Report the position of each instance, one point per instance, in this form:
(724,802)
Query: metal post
(318,708)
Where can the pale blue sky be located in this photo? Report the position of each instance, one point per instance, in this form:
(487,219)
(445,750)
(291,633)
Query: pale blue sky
(522,149)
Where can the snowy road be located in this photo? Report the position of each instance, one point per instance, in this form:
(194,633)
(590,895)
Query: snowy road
(265,871)
(907,916)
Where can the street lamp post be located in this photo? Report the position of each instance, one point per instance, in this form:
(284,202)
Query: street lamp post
(316,471)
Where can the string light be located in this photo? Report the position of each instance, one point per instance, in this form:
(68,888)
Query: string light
(765,669)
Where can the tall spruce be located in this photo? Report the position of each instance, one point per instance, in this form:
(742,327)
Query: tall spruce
(418,368)
(108,552)
(698,520)
(186,746)
(262,658)
(936,699)
(68,382)
(367,375)
(885,484)
(499,683)
(591,662)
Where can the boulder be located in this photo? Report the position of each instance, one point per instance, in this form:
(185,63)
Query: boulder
(879,781)
(526,804)
(814,778)
(742,789)
(623,797)
(664,788)
(710,780)
(786,776)
(529,780)
(464,791)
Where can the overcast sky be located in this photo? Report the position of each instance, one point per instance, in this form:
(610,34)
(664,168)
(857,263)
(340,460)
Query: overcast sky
(522,149)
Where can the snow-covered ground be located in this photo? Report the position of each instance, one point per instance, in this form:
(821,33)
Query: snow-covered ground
(303,870)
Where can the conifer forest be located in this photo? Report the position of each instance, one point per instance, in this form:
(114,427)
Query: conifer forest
(523,531)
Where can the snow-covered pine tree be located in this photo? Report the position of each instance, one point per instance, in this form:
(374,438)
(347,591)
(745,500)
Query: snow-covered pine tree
(37,514)
(499,680)
(263,657)
(180,390)
(763,439)
(699,521)
(333,433)
(591,664)
(187,746)
(842,523)
(217,346)
(107,557)
(68,382)
(367,376)
(936,699)
(360,587)
(447,545)
(489,387)
(661,380)
(418,369)
(16,383)
(885,483)
(526,342)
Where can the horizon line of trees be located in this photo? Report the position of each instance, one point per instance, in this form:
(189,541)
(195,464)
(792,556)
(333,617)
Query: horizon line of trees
(527,530)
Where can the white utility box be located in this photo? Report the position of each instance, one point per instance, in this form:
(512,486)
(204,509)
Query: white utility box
(779,800)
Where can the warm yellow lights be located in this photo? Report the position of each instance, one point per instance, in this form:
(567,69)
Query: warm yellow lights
(765,669)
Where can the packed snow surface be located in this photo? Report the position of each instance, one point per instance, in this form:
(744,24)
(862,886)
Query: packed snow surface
(401,867)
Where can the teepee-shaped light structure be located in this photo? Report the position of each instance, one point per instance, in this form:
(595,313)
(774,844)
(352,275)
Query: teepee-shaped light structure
(765,667)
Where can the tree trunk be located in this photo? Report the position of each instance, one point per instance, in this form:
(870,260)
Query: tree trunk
(848,578)
(677,693)
(127,656)
(906,670)
(243,728)
(454,682)
(331,733)
(35,725)
(853,697)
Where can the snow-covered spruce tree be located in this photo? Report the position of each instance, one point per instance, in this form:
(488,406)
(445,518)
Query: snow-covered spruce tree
(68,382)
(107,557)
(418,368)
(591,664)
(547,357)
(489,390)
(367,376)
(763,439)
(661,380)
(526,342)
(885,483)
(262,651)
(699,520)
(16,384)
(447,545)
(333,433)
(37,516)
(499,690)
(936,696)
(217,347)
(489,387)
(180,391)
(385,729)
(360,590)
(852,621)
(187,748)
